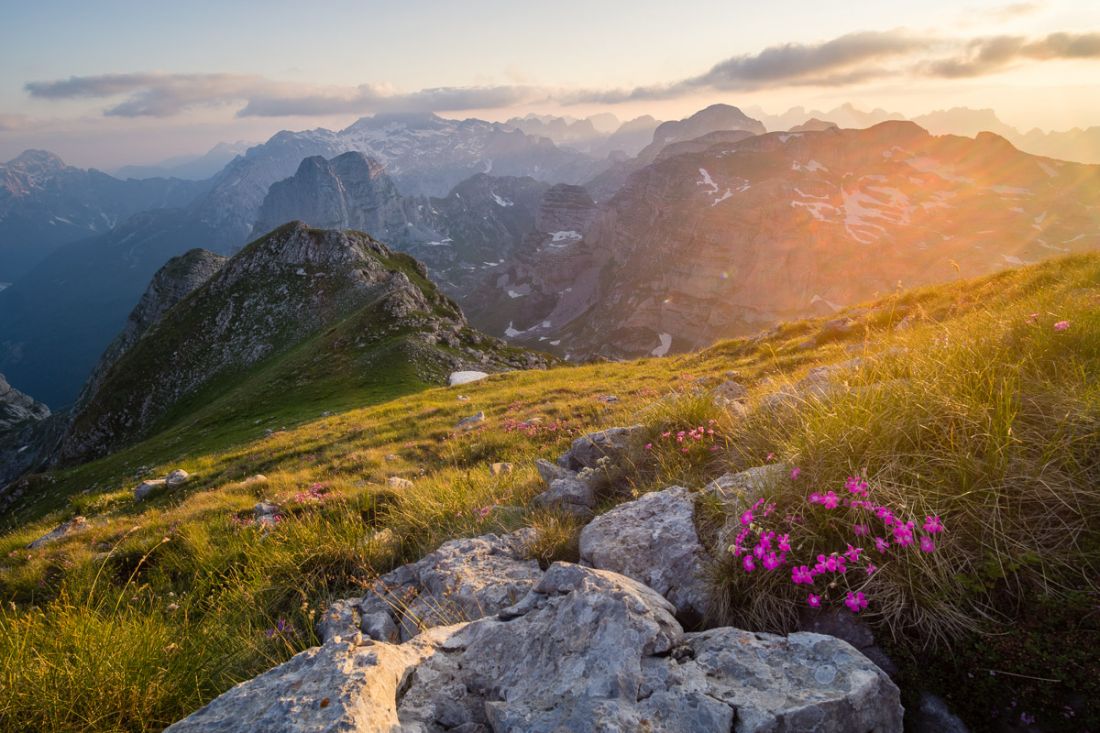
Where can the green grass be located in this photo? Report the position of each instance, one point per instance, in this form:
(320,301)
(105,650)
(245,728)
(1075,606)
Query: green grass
(972,413)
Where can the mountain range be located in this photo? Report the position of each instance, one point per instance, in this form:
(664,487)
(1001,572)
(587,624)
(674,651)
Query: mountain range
(496,215)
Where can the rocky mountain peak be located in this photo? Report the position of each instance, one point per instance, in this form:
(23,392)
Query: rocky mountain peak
(360,306)
(709,119)
(42,161)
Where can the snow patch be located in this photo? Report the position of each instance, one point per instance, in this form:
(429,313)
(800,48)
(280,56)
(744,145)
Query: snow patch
(458,378)
(812,167)
(664,346)
(502,201)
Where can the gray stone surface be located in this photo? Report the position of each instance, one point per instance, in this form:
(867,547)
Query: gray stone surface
(462,580)
(584,651)
(148,487)
(934,716)
(74,525)
(620,446)
(570,495)
(653,540)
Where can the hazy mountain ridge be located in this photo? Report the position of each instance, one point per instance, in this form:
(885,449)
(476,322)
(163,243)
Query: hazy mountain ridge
(45,204)
(786,225)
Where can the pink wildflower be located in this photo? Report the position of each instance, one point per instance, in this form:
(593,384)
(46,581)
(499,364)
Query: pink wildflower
(881,545)
(855,602)
(746,518)
(770,457)
(852,553)
(771,561)
(861,530)
(933,525)
(649,446)
(749,563)
(830,500)
(1061,325)
(871,568)
(784,543)
(795,473)
(856,485)
(926,544)
(801,574)
(813,600)
(903,535)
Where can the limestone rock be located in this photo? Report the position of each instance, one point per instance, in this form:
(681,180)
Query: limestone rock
(570,495)
(653,540)
(176,478)
(468,423)
(396,482)
(462,580)
(457,378)
(498,469)
(584,651)
(620,446)
(148,487)
(74,525)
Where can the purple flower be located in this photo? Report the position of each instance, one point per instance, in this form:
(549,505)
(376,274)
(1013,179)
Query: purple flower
(861,530)
(933,525)
(852,553)
(801,574)
(856,485)
(926,544)
(746,518)
(771,561)
(749,564)
(881,545)
(814,600)
(795,473)
(830,500)
(1061,325)
(855,602)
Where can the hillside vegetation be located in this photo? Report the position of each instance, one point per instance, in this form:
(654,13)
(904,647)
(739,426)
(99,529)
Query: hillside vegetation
(977,401)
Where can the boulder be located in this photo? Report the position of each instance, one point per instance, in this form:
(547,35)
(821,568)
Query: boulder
(74,525)
(653,540)
(584,651)
(619,446)
(148,487)
(549,471)
(737,491)
(458,378)
(571,495)
(462,580)
(176,478)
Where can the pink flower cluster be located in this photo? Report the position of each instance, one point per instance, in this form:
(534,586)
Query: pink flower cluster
(315,494)
(758,546)
(701,437)
(534,428)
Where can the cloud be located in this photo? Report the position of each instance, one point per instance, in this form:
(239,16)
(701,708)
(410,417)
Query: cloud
(988,55)
(847,60)
(842,61)
(164,95)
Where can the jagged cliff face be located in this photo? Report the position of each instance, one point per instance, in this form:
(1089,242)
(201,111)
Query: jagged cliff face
(22,420)
(180,277)
(294,286)
(521,297)
(459,236)
(423,154)
(720,243)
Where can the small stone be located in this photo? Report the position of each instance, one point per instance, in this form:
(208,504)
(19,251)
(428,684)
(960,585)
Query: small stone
(468,423)
(176,478)
(396,482)
(497,469)
(76,524)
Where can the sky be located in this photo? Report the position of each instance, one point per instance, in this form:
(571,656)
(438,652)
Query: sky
(114,82)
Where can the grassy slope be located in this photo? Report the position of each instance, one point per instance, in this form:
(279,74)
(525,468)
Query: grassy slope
(986,418)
